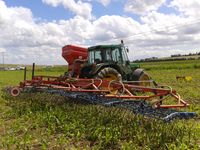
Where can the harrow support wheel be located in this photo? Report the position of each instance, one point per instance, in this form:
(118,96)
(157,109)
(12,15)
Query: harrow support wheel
(116,87)
(15,91)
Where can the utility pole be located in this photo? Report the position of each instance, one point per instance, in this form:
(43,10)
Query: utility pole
(3,60)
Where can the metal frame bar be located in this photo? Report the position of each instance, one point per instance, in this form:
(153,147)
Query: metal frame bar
(103,87)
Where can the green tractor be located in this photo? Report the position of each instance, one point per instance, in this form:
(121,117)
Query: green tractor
(108,62)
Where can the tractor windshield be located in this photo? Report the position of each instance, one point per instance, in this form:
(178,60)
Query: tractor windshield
(108,54)
(116,55)
(100,55)
(124,54)
(95,56)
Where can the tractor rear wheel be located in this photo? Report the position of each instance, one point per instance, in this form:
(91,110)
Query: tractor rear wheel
(143,78)
(110,74)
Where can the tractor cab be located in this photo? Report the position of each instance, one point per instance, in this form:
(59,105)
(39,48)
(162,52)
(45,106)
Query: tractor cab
(108,54)
(112,58)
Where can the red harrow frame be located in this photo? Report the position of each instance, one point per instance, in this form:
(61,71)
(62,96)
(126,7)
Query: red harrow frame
(157,96)
(109,89)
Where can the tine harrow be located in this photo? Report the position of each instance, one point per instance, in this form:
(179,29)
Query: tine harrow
(148,101)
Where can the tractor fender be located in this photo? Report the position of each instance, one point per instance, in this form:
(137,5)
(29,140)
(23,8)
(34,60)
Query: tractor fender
(137,73)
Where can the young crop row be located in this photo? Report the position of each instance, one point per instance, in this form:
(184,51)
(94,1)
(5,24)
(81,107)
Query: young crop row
(50,121)
(45,121)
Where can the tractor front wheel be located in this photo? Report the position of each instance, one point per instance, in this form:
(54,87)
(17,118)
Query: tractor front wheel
(110,74)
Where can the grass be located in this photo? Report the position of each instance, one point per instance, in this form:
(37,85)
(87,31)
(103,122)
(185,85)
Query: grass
(45,121)
(178,65)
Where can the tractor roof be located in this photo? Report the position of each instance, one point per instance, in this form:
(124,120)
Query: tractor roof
(104,46)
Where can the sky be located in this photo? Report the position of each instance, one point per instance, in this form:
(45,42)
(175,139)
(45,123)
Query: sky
(36,30)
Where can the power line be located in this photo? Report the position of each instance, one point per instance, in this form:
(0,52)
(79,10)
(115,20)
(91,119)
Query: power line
(161,29)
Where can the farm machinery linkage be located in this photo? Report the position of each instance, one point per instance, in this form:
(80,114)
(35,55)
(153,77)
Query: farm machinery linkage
(106,83)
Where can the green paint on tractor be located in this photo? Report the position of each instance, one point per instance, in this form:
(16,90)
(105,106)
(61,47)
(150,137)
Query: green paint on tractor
(102,61)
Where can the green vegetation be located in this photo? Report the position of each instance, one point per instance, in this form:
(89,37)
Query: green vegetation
(44,121)
(179,65)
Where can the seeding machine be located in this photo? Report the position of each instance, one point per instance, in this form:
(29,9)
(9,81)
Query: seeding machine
(103,75)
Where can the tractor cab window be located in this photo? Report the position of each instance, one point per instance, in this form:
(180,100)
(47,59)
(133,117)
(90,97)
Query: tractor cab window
(91,57)
(124,55)
(116,55)
(108,55)
(97,57)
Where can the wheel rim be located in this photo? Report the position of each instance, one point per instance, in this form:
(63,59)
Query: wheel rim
(144,77)
(109,74)
(116,87)
(110,77)
(15,91)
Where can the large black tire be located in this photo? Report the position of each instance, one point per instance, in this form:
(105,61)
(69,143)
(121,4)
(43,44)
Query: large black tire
(144,77)
(141,75)
(109,73)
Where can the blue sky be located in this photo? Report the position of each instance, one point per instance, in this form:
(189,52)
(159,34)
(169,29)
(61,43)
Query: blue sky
(49,13)
(36,30)
(41,10)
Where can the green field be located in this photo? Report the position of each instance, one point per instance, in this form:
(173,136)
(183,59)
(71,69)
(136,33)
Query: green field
(44,121)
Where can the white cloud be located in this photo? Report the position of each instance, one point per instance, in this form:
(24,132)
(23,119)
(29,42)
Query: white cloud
(188,7)
(158,34)
(20,35)
(142,6)
(111,27)
(2,50)
(166,35)
(104,2)
(80,8)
